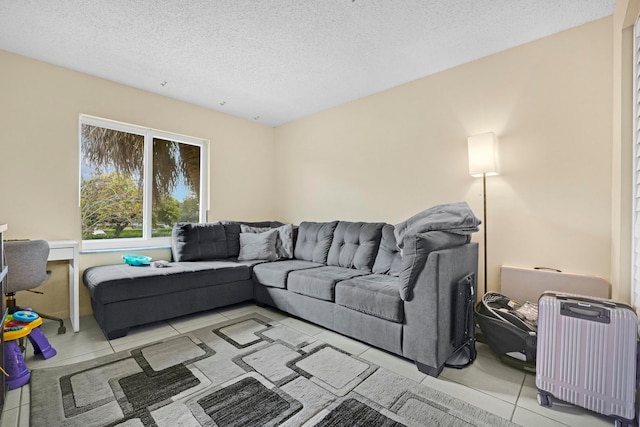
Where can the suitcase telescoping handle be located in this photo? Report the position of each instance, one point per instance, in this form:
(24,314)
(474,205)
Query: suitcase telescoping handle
(582,299)
(585,311)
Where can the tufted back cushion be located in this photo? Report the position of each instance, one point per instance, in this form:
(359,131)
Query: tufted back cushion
(389,259)
(198,242)
(313,241)
(355,245)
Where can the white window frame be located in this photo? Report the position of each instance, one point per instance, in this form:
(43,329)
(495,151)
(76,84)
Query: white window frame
(146,241)
(635,192)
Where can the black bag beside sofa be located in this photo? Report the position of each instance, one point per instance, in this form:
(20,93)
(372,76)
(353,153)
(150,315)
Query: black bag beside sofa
(349,277)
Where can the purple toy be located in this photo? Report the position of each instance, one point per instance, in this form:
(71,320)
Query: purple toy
(14,364)
(41,344)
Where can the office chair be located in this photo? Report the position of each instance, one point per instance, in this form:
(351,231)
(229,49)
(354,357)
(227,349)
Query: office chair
(27,263)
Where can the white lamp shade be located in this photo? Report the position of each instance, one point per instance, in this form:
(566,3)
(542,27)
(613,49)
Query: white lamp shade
(483,154)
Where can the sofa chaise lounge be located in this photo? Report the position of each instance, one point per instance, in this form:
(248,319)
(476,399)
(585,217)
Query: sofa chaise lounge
(350,277)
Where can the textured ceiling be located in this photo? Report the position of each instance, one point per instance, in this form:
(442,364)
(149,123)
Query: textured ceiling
(275,61)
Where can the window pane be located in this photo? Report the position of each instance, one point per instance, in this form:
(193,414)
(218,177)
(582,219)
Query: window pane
(176,185)
(111,186)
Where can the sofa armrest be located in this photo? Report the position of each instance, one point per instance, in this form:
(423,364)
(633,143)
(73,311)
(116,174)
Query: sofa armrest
(417,248)
(428,332)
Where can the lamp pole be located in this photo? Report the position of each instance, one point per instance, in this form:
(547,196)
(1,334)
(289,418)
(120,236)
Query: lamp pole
(483,160)
(484,226)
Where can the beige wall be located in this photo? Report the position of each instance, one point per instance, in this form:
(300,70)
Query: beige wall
(39,109)
(390,155)
(381,158)
(625,15)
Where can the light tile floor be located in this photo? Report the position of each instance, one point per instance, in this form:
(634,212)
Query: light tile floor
(487,383)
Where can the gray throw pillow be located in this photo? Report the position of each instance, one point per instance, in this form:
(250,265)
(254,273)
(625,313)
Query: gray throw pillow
(251,229)
(260,246)
(232,231)
(284,241)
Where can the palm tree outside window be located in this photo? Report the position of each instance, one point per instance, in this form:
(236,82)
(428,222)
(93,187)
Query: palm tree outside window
(136,183)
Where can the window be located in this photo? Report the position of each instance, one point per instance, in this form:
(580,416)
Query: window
(135,183)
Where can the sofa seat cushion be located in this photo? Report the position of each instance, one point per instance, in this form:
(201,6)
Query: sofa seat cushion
(113,283)
(320,282)
(248,262)
(274,274)
(375,294)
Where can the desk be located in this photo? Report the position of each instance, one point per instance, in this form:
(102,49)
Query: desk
(68,250)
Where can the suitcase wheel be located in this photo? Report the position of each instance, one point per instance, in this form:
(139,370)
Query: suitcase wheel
(543,399)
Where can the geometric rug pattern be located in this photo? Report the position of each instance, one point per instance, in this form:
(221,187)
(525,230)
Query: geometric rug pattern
(248,371)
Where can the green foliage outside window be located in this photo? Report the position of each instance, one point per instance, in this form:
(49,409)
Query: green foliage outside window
(109,200)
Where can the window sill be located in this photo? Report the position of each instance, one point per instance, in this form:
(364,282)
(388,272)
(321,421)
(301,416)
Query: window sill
(124,245)
(106,251)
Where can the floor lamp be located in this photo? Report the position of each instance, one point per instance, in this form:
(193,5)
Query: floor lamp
(483,162)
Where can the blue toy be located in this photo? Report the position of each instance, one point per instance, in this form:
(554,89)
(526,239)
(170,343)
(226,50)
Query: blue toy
(134,259)
(25,316)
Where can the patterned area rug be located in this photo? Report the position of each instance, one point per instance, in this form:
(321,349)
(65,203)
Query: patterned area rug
(249,371)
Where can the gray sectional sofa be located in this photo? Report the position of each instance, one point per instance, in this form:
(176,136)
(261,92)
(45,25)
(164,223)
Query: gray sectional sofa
(350,277)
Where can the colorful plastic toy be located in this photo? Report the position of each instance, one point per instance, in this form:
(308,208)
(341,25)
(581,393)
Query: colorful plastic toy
(14,329)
